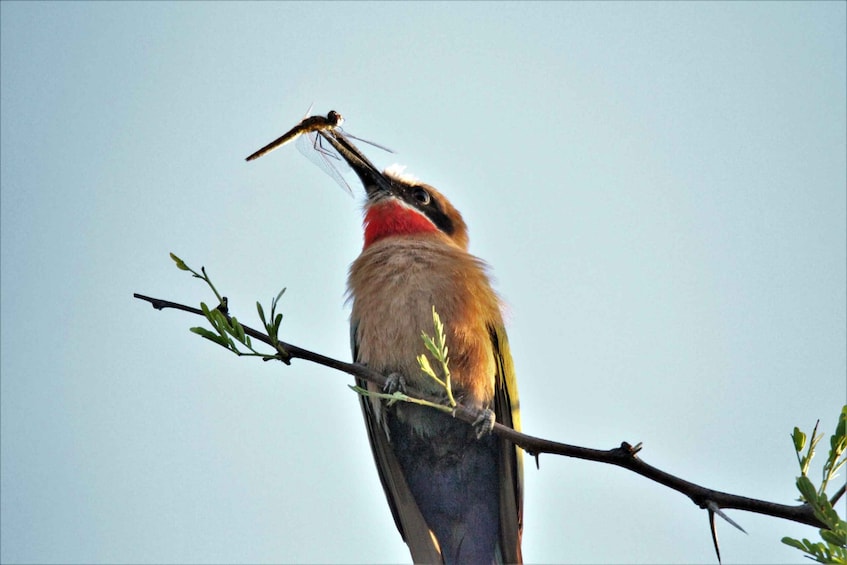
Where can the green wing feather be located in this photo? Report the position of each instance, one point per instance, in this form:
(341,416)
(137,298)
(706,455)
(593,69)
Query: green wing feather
(507,411)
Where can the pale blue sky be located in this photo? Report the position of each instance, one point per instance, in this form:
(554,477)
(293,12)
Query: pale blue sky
(659,189)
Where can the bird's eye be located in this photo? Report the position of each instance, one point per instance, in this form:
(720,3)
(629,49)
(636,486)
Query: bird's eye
(421,195)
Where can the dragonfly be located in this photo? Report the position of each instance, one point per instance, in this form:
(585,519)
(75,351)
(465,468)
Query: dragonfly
(310,144)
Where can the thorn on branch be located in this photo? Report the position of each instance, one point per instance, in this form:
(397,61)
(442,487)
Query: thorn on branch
(713,509)
(714,530)
(631,450)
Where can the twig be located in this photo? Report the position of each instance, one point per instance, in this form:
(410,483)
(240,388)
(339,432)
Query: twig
(625,455)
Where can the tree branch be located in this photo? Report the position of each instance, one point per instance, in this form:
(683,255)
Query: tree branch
(625,455)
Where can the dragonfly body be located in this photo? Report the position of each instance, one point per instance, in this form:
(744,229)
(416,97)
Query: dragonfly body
(307,125)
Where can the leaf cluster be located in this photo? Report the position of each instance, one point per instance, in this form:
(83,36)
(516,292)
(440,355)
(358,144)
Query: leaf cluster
(833,545)
(228,332)
(437,346)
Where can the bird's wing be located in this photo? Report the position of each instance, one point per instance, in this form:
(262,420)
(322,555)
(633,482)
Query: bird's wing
(507,411)
(407,516)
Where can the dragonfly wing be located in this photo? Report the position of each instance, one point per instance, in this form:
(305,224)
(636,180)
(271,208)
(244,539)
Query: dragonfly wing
(377,145)
(325,157)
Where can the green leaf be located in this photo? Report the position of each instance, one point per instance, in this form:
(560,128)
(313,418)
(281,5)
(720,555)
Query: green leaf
(793,543)
(238,329)
(204,332)
(807,489)
(429,343)
(841,429)
(219,321)
(834,538)
(838,440)
(799,439)
(211,336)
(213,316)
(423,361)
(179,263)
(261,313)
(826,513)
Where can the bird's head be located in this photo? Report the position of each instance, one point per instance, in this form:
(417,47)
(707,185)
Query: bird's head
(398,204)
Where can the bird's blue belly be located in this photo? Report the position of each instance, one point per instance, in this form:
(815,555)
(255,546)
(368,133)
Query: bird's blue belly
(454,479)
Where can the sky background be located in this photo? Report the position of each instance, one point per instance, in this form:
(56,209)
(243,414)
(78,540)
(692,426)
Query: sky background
(658,188)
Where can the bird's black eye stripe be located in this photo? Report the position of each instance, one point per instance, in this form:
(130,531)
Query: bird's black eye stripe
(420,198)
(420,195)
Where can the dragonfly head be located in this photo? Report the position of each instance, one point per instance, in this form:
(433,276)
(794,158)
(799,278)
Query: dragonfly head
(334,118)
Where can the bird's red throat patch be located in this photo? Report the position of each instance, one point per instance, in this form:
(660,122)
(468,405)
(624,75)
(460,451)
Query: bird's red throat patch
(390,218)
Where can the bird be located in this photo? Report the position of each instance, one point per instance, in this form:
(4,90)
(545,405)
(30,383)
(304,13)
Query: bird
(455,497)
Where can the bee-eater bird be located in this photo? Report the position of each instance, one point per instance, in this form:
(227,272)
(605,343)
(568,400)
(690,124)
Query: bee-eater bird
(456,498)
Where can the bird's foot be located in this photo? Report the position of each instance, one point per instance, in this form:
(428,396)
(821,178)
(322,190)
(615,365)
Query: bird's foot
(394,383)
(484,423)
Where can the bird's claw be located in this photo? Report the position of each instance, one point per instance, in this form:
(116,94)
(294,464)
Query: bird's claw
(394,383)
(484,423)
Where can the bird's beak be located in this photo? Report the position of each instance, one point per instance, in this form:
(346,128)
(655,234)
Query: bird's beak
(375,183)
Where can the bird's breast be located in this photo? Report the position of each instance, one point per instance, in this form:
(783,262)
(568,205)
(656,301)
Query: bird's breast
(394,285)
